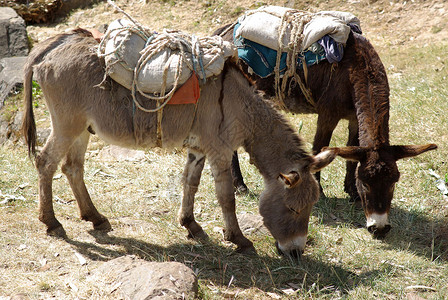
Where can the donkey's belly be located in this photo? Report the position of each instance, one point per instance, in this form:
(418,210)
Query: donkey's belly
(131,128)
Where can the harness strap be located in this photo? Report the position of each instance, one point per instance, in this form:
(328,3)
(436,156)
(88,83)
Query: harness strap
(304,85)
(159,127)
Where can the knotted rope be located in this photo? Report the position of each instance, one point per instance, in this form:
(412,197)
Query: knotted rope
(294,20)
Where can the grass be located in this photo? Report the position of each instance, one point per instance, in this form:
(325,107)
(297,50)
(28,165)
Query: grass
(141,199)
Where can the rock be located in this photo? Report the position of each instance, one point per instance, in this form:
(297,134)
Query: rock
(16,125)
(13,37)
(3,131)
(11,76)
(11,130)
(251,224)
(42,135)
(135,278)
(45,11)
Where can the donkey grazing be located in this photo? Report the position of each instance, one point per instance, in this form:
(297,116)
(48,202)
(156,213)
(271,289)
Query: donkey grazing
(228,115)
(355,89)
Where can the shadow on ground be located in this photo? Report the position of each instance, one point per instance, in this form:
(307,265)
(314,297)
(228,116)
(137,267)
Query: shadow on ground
(412,230)
(220,265)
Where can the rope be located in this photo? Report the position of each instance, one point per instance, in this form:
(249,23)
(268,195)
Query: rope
(230,27)
(126,14)
(294,20)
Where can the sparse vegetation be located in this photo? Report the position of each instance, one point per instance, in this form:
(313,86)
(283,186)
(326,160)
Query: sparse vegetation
(141,198)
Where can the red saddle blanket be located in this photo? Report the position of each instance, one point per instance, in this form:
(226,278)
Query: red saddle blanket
(188,93)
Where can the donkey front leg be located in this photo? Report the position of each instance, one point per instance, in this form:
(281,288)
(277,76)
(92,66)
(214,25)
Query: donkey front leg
(226,197)
(322,139)
(73,168)
(191,179)
(350,175)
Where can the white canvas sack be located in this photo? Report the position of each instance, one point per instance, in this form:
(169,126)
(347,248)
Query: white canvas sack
(262,26)
(321,25)
(124,46)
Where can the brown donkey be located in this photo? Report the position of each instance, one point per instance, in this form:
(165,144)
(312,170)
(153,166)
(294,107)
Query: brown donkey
(229,114)
(355,89)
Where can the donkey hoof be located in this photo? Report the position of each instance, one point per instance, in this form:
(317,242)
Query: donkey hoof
(246,250)
(58,232)
(198,236)
(103,226)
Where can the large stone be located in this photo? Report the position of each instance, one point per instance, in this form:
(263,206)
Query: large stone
(11,76)
(13,37)
(45,11)
(251,224)
(134,278)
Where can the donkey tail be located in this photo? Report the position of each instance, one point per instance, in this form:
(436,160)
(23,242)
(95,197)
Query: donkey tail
(36,56)
(28,123)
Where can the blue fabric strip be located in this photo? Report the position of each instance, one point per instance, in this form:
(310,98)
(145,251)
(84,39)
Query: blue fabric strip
(262,59)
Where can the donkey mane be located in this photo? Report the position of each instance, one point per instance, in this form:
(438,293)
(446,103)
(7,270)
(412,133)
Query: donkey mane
(372,91)
(274,114)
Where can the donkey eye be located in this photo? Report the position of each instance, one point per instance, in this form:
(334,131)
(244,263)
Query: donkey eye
(293,210)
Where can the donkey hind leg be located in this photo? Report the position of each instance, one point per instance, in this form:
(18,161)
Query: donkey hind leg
(191,179)
(322,138)
(238,181)
(350,178)
(226,197)
(47,163)
(73,168)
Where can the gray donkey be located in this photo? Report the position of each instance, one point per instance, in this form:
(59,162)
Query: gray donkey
(229,114)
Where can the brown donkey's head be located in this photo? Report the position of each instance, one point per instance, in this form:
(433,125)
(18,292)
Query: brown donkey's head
(287,201)
(376,176)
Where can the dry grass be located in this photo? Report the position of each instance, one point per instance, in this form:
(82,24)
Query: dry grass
(141,198)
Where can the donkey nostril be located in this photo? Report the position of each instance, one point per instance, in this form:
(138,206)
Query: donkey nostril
(296,253)
(379,232)
(387,228)
(279,251)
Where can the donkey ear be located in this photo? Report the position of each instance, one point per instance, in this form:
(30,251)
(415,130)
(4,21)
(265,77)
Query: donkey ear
(322,159)
(400,152)
(354,153)
(289,180)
